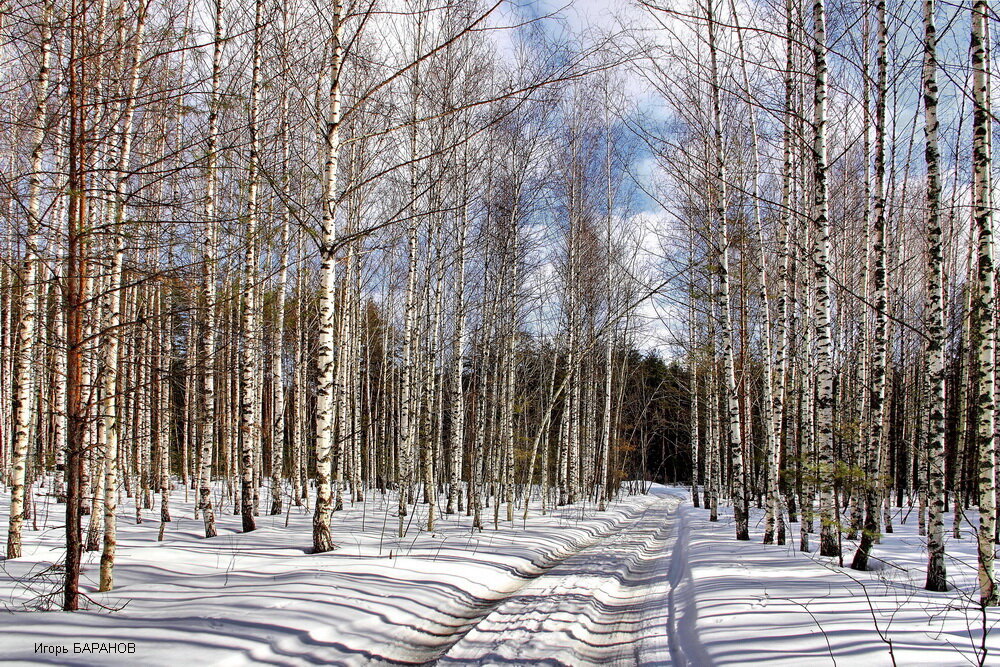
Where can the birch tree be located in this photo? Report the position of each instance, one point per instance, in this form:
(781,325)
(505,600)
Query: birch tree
(936,572)
(24,360)
(984,305)
(322,538)
(829,542)
(720,201)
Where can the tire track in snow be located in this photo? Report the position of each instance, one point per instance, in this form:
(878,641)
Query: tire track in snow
(607,602)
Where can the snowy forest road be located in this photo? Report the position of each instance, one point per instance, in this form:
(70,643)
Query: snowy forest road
(573,586)
(624,599)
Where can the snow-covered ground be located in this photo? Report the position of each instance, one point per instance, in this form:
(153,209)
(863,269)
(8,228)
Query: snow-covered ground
(261,597)
(774,605)
(649,581)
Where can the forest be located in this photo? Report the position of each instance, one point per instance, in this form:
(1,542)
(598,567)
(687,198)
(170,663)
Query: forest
(498,261)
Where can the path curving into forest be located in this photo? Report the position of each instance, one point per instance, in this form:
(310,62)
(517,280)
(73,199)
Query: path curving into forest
(610,602)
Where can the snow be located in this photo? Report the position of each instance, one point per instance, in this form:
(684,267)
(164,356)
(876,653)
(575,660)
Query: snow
(649,581)
(260,597)
(607,602)
(774,605)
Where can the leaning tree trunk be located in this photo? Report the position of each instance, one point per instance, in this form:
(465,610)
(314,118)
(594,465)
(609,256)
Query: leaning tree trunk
(773,521)
(720,195)
(111,386)
(24,364)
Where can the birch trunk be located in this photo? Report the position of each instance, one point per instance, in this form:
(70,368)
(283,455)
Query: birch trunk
(322,539)
(770,416)
(249,381)
(24,358)
(111,389)
(713,435)
(984,303)
(210,258)
(964,388)
(876,401)
(457,424)
(277,352)
(693,427)
(784,261)
(936,572)
(829,529)
(729,360)
(164,380)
